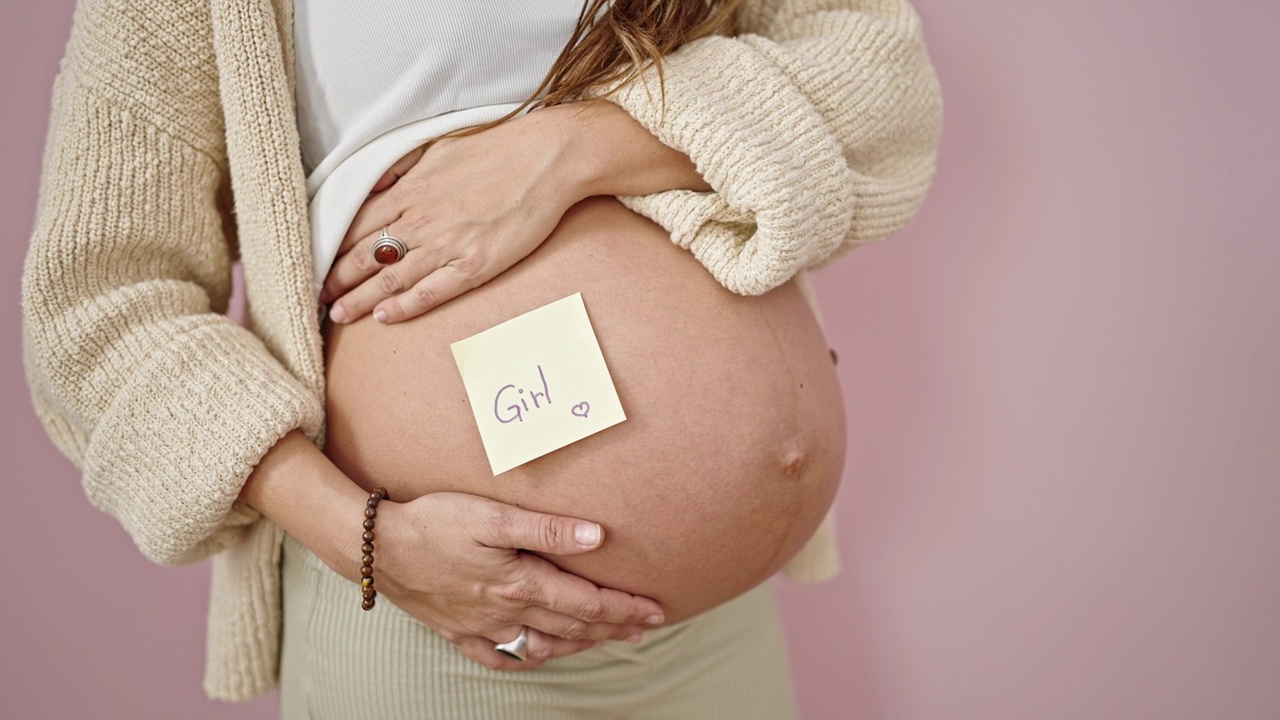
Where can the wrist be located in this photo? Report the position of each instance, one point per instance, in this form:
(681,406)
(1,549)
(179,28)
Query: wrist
(570,131)
(393,534)
(301,490)
(589,126)
(602,150)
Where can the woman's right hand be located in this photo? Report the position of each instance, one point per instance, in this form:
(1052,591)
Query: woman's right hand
(451,560)
(454,562)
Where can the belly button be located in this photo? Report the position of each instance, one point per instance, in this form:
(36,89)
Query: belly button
(793,462)
(834,359)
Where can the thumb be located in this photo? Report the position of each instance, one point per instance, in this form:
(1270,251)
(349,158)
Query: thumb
(538,532)
(399,169)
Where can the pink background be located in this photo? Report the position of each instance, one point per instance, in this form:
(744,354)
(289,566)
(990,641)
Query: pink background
(1062,497)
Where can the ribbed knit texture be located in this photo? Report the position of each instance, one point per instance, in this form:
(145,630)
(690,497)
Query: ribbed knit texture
(342,663)
(817,126)
(362,73)
(371,86)
(818,131)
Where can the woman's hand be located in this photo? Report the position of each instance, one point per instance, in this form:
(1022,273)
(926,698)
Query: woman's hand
(453,561)
(470,207)
(467,208)
(450,559)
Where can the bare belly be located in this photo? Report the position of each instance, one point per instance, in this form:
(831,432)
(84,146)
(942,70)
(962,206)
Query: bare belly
(734,440)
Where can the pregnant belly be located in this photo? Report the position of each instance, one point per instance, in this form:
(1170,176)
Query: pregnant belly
(734,439)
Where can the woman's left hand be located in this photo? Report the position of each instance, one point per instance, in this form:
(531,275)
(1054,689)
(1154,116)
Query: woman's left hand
(470,207)
(467,208)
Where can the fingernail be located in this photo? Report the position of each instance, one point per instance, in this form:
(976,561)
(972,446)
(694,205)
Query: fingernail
(380,315)
(653,620)
(587,534)
(337,314)
(635,638)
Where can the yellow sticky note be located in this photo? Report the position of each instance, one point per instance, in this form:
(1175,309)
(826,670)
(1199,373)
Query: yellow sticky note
(537,383)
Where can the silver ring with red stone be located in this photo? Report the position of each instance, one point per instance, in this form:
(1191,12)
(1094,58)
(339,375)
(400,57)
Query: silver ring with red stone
(388,249)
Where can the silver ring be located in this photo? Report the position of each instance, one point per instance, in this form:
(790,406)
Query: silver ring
(517,649)
(388,249)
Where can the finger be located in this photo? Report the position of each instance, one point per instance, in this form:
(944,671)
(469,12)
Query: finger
(568,628)
(389,280)
(357,265)
(357,272)
(402,166)
(382,208)
(510,527)
(398,170)
(350,268)
(482,651)
(377,212)
(444,284)
(542,584)
(387,180)
(541,648)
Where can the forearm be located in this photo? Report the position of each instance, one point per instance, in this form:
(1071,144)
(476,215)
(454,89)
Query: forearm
(298,488)
(816,125)
(605,151)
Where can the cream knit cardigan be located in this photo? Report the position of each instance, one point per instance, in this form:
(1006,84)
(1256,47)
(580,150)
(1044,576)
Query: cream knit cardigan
(173,149)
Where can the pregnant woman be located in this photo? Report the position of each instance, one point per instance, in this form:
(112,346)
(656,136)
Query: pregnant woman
(381,176)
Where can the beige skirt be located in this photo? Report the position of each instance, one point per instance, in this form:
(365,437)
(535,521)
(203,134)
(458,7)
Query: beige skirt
(340,663)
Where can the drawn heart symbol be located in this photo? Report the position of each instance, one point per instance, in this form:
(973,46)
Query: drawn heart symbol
(581,409)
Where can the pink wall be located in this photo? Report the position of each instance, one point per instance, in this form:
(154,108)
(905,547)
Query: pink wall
(1062,498)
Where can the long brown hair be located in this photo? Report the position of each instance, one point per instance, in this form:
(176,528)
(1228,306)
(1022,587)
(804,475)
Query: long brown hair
(615,40)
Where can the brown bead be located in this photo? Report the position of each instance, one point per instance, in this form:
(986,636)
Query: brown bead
(370,513)
(369,591)
(366,582)
(366,570)
(367,603)
(367,536)
(367,548)
(368,524)
(366,559)
(381,493)
(372,502)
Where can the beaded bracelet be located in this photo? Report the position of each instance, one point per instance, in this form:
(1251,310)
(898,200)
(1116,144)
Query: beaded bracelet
(366,560)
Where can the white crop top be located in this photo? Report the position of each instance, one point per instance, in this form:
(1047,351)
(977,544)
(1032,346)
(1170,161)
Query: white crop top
(375,80)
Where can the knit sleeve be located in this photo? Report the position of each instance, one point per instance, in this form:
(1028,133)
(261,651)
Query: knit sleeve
(163,402)
(817,128)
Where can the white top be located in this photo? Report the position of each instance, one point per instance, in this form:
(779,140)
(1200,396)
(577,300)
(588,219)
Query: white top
(375,80)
